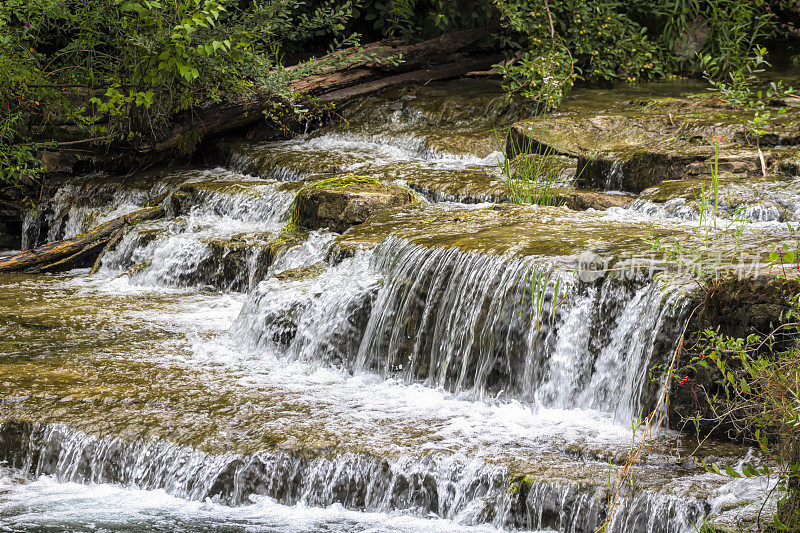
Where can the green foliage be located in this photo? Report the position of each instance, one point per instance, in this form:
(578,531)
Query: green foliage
(121,70)
(740,86)
(623,40)
(18,159)
(532,175)
(736,30)
(758,393)
(413,19)
(542,79)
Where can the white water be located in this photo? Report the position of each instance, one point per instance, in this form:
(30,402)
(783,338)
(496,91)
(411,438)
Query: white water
(46,504)
(427,360)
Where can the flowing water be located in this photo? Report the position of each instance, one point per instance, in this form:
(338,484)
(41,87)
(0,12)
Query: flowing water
(455,375)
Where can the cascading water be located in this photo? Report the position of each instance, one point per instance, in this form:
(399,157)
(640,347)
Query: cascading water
(75,208)
(428,387)
(222,239)
(470,322)
(219,236)
(468,492)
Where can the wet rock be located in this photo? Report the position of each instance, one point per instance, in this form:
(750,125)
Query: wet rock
(302,273)
(280,160)
(583,200)
(10,233)
(481,144)
(339,203)
(469,186)
(508,229)
(635,170)
(636,144)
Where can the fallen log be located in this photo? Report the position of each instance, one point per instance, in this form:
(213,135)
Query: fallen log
(449,70)
(448,55)
(77,251)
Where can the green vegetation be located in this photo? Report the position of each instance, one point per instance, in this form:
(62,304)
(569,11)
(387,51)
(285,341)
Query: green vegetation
(121,71)
(533,178)
(532,173)
(741,88)
(755,390)
(718,235)
(561,41)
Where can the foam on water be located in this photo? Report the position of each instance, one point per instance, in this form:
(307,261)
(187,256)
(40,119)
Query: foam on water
(386,345)
(44,504)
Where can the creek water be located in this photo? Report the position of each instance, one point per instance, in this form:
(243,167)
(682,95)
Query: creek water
(198,383)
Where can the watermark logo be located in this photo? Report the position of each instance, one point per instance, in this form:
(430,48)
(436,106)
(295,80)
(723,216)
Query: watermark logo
(592,266)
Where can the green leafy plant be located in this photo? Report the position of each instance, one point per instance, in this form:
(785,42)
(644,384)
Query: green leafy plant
(740,87)
(756,391)
(543,78)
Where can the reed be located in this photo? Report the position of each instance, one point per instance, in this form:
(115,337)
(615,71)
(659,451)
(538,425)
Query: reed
(535,175)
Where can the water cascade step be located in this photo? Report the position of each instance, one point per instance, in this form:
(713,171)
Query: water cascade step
(449,362)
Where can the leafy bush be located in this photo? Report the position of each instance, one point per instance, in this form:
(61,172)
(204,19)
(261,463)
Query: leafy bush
(757,392)
(623,40)
(120,70)
(740,86)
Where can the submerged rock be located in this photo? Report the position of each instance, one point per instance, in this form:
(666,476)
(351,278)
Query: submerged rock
(338,203)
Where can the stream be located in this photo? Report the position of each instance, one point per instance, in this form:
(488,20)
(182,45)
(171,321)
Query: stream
(436,368)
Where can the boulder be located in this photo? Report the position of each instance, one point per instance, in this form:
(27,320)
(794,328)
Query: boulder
(338,203)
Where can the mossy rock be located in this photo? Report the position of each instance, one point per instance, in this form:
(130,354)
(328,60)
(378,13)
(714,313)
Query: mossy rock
(633,145)
(469,185)
(505,229)
(302,273)
(480,144)
(341,202)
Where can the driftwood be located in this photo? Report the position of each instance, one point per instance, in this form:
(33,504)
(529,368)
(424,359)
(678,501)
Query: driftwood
(77,251)
(449,70)
(335,79)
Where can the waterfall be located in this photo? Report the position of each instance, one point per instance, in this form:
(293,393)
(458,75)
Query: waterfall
(413,379)
(74,208)
(466,491)
(476,324)
(223,240)
(220,237)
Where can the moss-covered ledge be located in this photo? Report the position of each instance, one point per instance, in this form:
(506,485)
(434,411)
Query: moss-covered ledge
(341,202)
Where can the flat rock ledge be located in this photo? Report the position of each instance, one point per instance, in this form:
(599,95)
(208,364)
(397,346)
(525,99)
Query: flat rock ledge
(339,203)
(636,145)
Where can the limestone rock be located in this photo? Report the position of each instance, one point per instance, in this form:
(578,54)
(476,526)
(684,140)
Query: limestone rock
(338,204)
(583,200)
(635,144)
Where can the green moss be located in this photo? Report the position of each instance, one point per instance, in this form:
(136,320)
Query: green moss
(521,485)
(334,183)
